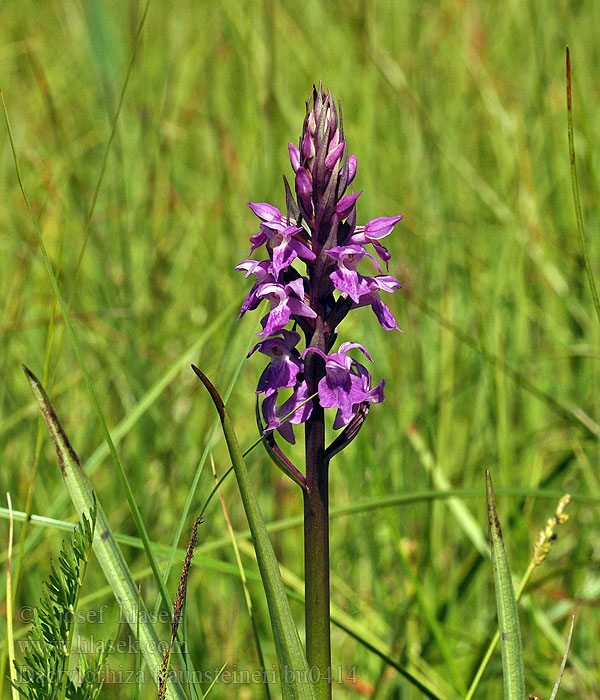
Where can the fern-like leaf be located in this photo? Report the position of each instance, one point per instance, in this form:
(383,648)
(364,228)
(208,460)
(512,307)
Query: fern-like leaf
(44,671)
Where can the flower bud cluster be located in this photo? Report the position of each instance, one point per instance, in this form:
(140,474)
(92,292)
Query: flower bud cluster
(311,279)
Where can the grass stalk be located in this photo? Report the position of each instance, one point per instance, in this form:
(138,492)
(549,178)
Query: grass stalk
(575,185)
(9,604)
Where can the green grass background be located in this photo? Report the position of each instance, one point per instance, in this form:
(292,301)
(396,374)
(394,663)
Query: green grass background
(456,111)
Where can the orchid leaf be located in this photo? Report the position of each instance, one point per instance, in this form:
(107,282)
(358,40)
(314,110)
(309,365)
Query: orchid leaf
(293,668)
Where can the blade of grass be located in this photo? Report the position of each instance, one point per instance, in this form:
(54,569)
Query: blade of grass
(216,678)
(508,615)
(111,136)
(193,486)
(295,677)
(460,511)
(564,659)
(540,552)
(9,610)
(576,201)
(548,629)
(244,581)
(105,547)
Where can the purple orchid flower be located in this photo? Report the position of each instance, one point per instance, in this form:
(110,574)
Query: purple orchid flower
(271,216)
(284,367)
(286,247)
(262,270)
(385,283)
(283,306)
(346,277)
(346,383)
(274,415)
(373,231)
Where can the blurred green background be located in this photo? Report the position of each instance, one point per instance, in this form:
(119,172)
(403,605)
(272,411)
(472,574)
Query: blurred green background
(457,113)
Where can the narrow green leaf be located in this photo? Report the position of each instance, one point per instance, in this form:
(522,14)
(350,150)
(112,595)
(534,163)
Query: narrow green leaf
(106,549)
(293,668)
(463,515)
(575,185)
(508,616)
(564,659)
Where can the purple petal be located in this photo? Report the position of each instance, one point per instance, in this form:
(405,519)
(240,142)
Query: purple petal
(296,404)
(270,414)
(277,319)
(346,347)
(265,211)
(250,302)
(334,390)
(383,253)
(286,431)
(304,191)
(352,164)
(354,252)
(299,308)
(262,269)
(349,281)
(297,286)
(377,394)
(257,240)
(283,256)
(380,227)
(294,156)
(303,251)
(278,375)
(268,411)
(334,155)
(386,283)
(339,420)
(384,316)
(313,349)
(344,206)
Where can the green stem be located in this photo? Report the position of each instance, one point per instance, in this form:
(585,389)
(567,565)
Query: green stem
(578,215)
(316,556)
